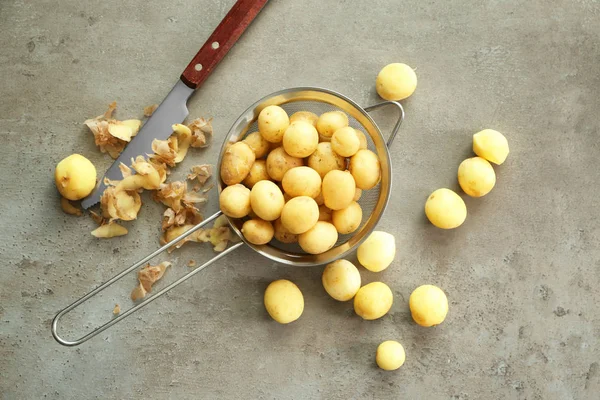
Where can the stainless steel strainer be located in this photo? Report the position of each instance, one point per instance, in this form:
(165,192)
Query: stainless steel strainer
(373,202)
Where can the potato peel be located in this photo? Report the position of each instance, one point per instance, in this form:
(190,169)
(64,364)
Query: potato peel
(109,230)
(149,110)
(69,208)
(120,204)
(111,135)
(201,173)
(147,277)
(201,128)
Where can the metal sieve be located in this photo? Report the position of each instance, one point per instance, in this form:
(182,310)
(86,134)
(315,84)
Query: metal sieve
(373,202)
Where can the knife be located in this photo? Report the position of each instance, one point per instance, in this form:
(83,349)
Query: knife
(173,108)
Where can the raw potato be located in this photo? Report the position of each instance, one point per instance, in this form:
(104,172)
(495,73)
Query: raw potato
(272,123)
(300,214)
(302,181)
(445,209)
(357,194)
(396,81)
(319,238)
(300,139)
(236,164)
(338,189)
(266,200)
(258,144)
(282,234)
(257,231)
(258,172)
(324,213)
(476,176)
(306,116)
(75,177)
(428,305)
(345,141)
(377,252)
(324,159)
(284,301)
(390,355)
(279,162)
(348,219)
(373,300)
(365,169)
(235,201)
(362,139)
(341,280)
(491,145)
(330,122)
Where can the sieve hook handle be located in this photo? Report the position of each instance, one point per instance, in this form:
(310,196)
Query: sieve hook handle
(398,123)
(146,301)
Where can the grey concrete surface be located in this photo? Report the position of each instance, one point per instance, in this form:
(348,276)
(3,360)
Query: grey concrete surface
(521,274)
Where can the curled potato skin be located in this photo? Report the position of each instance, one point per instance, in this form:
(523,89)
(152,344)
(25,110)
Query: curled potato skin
(236,163)
(258,172)
(302,181)
(324,159)
(257,231)
(235,201)
(266,200)
(282,234)
(258,144)
(272,123)
(300,214)
(338,189)
(366,169)
(279,162)
(319,238)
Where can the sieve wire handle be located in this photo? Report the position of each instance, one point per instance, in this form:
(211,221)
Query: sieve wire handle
(398,123)
(146,301)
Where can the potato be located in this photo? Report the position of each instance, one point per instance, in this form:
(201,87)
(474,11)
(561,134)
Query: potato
(491,145)
(362,139)
(300,214)
(396,81)
(445,209)
(258,172)
(476,176)
(302,181)
(236,163)
(345,142)
(319,238)
(365,168)
(324,213)
(428,305)
(357,194)
(330,122)
(319,199)
(341,280)
(377,252)
(300,139)
(282,234)
(257,231)
(279,162)
(373,301)
(390,355)
(324,159)
(284,301)
(338,189)
(347,219)
(75,177)
(306,116)
(258,144)
(266,200)
(235,201)
(272,123)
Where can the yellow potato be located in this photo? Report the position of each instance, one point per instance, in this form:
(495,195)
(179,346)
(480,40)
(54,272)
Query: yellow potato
(445,209)
(319,199)
(258,172)
(306,116)
(365,168)
(373,301)
(258,144)
(272,123)
(362,139)
(428,305)
(345,141)
(284,301)
(324,213)
(390,355)
(347,219)
(266,200)
(377,252)
(75,177)
(357,194)
(235,201)
(338,189)
(341,280)
(476,176)
(300,139)
(319,238)
(279,162)
(300,214)
(491,145)
(324,159)
(282,234)
(257,231)
(396,81)
(236,163)
(302,181)
(330,122)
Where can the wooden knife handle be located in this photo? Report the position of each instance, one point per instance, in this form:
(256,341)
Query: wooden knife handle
(222,39)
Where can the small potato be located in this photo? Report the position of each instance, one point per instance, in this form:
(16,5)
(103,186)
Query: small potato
(319,238)
(279,162)
(348,219)
(266,200)
(258,144)
(390,355)
(373,300)
(282,234)
(302,181)
(377,252)
(476,176)
(324,213)
(396,81)
(284,301)
(306,116)
(362,139)
(345,141)
(365,168)
(319,199)
(236,163)
(491,145)
(300,214)
(341,280)
(445,209)
(258,172)
(235,201)
(272,123)
(357,194)
(324,159)
(75,177)
(257,231)
(428,305)
(338,189)
(300,139)
(330,122)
